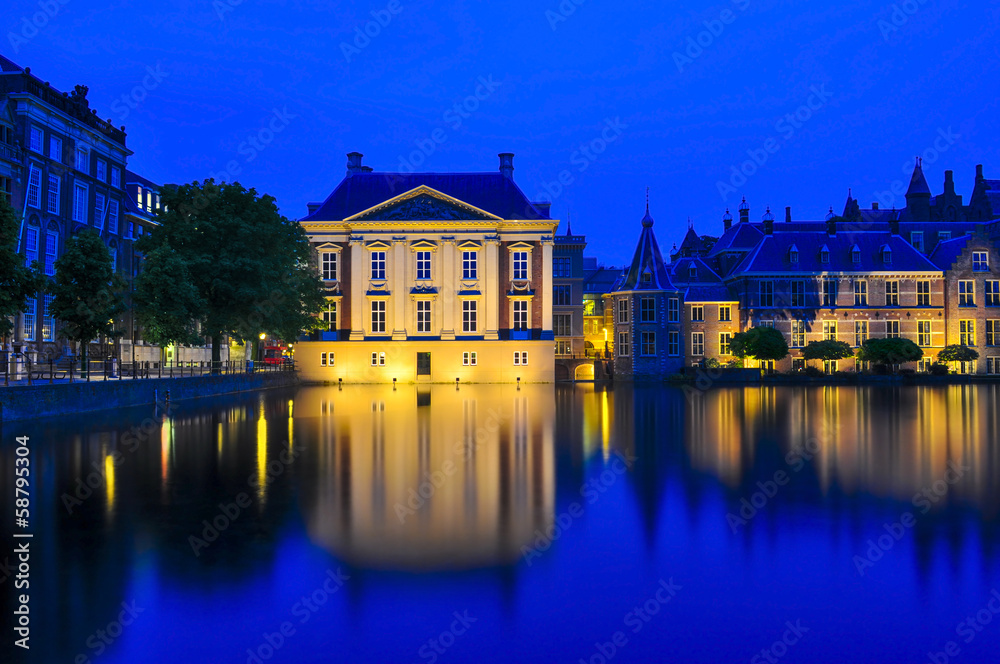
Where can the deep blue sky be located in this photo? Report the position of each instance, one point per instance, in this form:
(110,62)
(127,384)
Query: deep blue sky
(893,92)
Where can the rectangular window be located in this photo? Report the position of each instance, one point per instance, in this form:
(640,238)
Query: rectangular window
(378,316)
(469,311)
(562,325)
(469,265)
(725,343)
(673,310)
(378,359)
(892,293)
(35,140)
(648,343)
(967,332)
(697,312)
(30,246)
(798,364)
(992,293)
(99,211)
(766,291)
(328,261)
(330,316)
(829,330)
(923,293)
(520,314)
(622,311)
(116,178)
(992,332)
(725,313)
(423,316)
(378,265)
(766,323)
(829,292)
(798,293)
(322,359)
(521,358)
(697,343)
(917,240)
(562,266)
(562,295)
(102,170)
(82,163)
(923,333)
(48,322)
(993,365)
(798,334)
(564,347)
(131,230)
(35,188)
(623,348)
(28,320)
(647,310)
(860,293)
(80,203)
(980,261)
(831,366)
(423,265)
(55,148)
(51,240)
(520,265)
(966,293)
(924,364)
(673,343)
(113,217)
(469,359)
(860,332)
(892,329)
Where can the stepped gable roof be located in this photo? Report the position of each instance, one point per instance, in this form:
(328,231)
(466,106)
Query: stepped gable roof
(647,260)
(947,252)
(493,192)
(772,254)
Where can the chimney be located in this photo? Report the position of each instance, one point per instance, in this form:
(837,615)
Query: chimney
(979,172)
(831,223)
(727,220)
(353,163)
(507,164)
(949,183)
(312,207)
(768,220)
(788,215)
(874,206)
(367,169)
(744,212)
(894,224)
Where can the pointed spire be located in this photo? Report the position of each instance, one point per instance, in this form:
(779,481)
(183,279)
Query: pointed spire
(918,183)
(690,223)
(647,221)
(569,224)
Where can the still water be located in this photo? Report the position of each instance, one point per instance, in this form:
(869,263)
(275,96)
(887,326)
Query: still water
(491,524)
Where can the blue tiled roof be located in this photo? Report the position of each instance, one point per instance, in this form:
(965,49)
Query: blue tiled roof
(493,192)
(8,66)
(945,253)
(680,272)
(773,255)
(743,236)
(708,293)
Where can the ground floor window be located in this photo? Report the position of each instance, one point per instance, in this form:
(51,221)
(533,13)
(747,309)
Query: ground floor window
(798,364)
(648,343)
(924,365)
(48,322)
(673,343)
(623,344)
(423,316)
(469,359)
(521,358)
(830,366)
(993,365)
(28,320)
(967,367)
(326,359)
(697,343)
(564,347)
(378,359)
(330,315)
(725,343)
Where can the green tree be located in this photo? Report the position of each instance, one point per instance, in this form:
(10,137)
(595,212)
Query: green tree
(88,293)
(17,282)
(883,352)
(957,353)
(760,343)
(166,300)
(827,350)
(248,269)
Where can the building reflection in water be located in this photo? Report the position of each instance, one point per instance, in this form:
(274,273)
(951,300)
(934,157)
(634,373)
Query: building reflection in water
(428,477)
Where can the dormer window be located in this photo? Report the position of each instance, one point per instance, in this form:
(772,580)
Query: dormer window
(886,254)
(824,254)
(793,254)
(855,254)
(693,271)
(647,278)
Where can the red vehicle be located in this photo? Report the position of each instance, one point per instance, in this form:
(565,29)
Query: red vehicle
(276,352)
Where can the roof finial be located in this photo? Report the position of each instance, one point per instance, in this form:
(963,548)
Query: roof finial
(569,224)
(690,223)
(647,200)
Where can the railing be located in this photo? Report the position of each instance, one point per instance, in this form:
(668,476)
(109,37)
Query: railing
(19,367)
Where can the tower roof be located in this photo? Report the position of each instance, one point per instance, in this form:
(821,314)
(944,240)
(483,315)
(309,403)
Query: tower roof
(918,183)
(647,270)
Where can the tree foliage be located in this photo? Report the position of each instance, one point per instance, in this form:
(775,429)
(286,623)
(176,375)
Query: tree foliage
(827,350)
(17,282)
(890,351)
(165,298)
(958,353)
(760,343)
(246,268)
(88,293)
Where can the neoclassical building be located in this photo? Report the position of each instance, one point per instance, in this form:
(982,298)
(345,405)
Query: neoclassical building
(431,277)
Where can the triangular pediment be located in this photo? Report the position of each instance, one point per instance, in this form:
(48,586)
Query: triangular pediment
(423,204)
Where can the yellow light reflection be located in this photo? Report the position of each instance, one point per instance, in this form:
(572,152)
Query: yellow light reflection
(166,438)
(605,425)
(261,455)
(291,405)
(109,474)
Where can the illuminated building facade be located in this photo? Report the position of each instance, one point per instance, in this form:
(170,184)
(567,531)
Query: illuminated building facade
(431,277)
(567,293)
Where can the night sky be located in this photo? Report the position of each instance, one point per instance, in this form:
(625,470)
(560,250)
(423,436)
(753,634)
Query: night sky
(611,97)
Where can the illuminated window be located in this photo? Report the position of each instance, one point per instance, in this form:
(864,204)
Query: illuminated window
(469,311)
(980,261)
(924,364)
(48,322)
(423,265)
(923,293)
(725,313)
(892,293)
(469,359)
(673,310)
(830,366)
(521,358)
(860,332)
(328,262)
(860,293)
(378,265)
(798,334)
(330,315)
(648,343)
(326,359)
(520,265)
(829,330)
(697,312)
(623,311)
(966,293)
(623,348)
(647,310)
(673,343)
(992,332)
(697,343)
(967,332)
(766,292)
(725,343)
(520,314)
(378,316)
(28,319)
(423,316)
(923,333)
(892,329)
(469,265)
